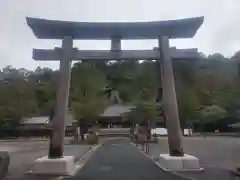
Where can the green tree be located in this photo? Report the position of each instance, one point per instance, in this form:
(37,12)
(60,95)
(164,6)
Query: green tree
(188,93)
(212,113)
(87,94)
(144,114)
(17,101)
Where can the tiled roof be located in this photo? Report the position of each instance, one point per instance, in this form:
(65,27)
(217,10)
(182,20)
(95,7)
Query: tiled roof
(116,110)
(36,120)
(236,125)
(45,120)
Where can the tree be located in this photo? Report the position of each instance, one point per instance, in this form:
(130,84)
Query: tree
(146,82)
(16,101)
(188,92)
(144,114)
(213,113)
(145,85)
(120,76)
(188,104)
(88,99)
(199,85)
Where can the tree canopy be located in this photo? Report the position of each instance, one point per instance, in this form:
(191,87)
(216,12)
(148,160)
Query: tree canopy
(208,83)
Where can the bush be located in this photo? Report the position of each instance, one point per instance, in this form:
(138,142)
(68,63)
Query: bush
(92,138)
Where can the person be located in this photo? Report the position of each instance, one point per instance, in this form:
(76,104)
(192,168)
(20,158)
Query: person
(51,116)
(142,136)
(136,134)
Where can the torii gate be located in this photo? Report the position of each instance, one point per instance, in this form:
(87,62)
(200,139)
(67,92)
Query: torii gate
(163,31)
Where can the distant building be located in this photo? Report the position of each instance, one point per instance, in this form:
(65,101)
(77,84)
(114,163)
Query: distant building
(113,114)
(41,126)
(235,126)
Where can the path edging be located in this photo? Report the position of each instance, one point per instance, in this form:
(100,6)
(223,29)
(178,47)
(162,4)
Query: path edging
(83,160)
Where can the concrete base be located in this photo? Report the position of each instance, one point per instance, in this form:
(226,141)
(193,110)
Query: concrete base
(61,166)
(184,163)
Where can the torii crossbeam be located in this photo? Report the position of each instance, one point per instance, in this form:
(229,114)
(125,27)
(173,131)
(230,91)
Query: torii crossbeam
(56,54)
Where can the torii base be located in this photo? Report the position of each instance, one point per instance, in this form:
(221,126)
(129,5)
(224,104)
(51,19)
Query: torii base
(182,163)
(64,166)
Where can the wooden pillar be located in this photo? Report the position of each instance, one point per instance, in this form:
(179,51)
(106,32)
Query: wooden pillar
(170,106)
(61,109)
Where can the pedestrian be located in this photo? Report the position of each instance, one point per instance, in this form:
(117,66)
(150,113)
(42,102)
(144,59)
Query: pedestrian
(136,134)
(142,136)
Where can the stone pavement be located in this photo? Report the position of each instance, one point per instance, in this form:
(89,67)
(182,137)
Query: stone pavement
(119,160)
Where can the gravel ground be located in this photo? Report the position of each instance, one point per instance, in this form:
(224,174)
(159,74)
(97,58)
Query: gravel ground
(217,155)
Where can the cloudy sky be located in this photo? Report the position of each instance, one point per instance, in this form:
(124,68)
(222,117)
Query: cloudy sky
(219,33)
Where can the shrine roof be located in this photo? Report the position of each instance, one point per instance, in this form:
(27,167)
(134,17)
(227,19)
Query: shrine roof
(54,29)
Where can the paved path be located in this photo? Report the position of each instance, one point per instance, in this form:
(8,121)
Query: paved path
(119,160)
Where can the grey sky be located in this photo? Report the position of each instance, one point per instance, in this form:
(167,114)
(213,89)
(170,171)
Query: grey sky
(219,33)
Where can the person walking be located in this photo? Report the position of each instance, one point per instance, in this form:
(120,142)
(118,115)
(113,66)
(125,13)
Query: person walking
(142,136)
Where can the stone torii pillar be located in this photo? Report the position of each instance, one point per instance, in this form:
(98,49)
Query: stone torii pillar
(61,109)
(170,106)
